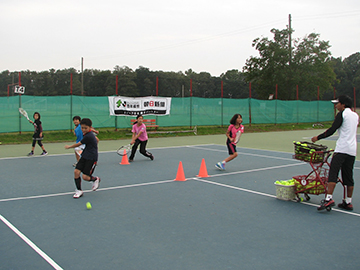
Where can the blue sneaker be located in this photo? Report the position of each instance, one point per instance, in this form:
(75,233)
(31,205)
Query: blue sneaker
(30,154)
(220,166)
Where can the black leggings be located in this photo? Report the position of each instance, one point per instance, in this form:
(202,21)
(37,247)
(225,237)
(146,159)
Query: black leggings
(142,149)
(38,140)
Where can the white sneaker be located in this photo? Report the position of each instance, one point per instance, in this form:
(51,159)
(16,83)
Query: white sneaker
(78,194)
(96,184)
(220,166)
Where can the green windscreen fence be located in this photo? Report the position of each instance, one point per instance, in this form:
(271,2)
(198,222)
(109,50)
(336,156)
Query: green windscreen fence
(57,112)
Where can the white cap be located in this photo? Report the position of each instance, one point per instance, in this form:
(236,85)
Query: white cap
(335,101)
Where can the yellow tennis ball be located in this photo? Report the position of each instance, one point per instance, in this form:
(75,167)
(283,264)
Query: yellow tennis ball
(88,205)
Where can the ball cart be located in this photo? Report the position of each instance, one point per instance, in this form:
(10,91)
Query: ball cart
(315,182)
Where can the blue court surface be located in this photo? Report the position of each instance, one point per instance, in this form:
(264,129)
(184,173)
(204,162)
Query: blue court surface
(142,219)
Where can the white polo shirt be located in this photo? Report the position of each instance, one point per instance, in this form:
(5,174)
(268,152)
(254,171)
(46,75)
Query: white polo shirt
(347,142)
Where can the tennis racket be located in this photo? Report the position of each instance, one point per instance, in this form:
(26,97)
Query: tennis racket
(124,150)
(24,113)
(237,138)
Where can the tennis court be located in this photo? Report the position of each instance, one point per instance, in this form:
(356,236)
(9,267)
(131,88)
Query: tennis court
(142,219)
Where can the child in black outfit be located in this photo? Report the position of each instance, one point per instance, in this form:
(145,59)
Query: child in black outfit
(38,135)
(88,159)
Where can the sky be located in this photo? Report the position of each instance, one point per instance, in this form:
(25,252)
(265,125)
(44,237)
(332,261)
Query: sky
(211,36)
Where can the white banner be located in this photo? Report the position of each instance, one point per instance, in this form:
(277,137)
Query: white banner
(140,105)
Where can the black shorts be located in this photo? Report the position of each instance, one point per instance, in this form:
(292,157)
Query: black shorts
(86,166)
(344,162)
(231,148)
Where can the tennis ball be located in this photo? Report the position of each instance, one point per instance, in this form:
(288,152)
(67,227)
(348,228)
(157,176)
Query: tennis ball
(88,205)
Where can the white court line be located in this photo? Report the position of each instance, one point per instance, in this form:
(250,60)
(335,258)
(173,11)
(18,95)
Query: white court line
(257,155)
(108,151)
(267,195)
(257,170)
(242,153)
(31,244)
(69,193)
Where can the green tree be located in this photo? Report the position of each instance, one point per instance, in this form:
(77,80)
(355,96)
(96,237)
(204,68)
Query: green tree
(234,84)
(145,82)
(307,65)
(127,85)
(348,75)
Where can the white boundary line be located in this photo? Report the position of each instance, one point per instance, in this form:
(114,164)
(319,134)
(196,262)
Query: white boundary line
(257,155)
(100,152)
(69,193)
(242,153)
(257,170)
(31,244)
(267,195)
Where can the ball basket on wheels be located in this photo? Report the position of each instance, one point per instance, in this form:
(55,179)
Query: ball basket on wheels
(316,181)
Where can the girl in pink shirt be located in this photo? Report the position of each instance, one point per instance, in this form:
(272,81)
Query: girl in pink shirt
(233,134)
(139,137)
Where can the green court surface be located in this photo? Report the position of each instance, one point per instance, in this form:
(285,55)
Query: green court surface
(141,218)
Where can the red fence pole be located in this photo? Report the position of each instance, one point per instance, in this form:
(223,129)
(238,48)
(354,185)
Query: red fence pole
(249,89)
(190,87)
(297,92)
(157,86)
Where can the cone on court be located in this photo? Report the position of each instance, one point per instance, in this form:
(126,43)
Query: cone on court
(124,160)
(203,171)
(180,176)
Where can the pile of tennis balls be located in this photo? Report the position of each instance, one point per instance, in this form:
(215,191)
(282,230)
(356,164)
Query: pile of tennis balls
(313,187)
(285,189)
(303,151)
(290,182)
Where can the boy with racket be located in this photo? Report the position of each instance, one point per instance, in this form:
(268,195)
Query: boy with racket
(88,159)
(139,137)
(38,135)
(233,134)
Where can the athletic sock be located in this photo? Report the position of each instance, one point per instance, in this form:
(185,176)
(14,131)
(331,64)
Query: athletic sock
(78,183)
(328,197)
(348,200)
(92,178)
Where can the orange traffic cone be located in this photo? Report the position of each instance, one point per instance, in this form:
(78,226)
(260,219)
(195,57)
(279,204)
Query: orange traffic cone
(180,176)
(203,171)
(124,160)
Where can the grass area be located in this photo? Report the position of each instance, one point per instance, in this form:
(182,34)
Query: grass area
(111,134)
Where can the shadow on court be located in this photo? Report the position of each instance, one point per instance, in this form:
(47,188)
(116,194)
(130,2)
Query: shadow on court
(143,219)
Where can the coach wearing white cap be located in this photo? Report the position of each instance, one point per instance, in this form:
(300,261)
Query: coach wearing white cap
(346,122)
